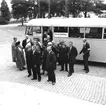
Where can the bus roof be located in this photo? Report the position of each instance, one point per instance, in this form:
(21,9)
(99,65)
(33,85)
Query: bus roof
(69,22)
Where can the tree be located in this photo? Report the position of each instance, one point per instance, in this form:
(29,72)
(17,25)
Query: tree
(5,13)
(19,10)
(74,7)
(43,8)
(57,7)
(91,6)
(85,6)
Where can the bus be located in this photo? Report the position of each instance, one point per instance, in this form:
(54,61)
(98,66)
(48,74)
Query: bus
(74,29)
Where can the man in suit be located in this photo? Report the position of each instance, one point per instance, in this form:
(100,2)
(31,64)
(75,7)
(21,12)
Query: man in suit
(50,65)
(26,41)
(64,57)
(36,62)
(72,58)
(29,59)
(86,53)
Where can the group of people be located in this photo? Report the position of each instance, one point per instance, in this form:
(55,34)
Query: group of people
(35,55)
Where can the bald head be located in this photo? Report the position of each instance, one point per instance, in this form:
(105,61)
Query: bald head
(26,36)
(70,44)
(84,40)
(49,48)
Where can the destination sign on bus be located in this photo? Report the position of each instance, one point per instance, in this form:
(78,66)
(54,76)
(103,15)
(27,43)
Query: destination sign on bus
(61,34)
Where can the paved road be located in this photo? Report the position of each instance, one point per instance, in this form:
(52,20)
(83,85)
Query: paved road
(90,87)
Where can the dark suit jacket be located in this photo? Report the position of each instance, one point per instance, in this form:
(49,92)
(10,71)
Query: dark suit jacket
(51,61)
(72,54)
(29,58)
(63,54)
(24,43)
(36,59)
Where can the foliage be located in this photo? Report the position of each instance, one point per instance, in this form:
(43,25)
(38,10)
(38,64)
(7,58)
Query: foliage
(74,7)
(57,7)
(43,8)
(77,6)
(5,13)
(3,21)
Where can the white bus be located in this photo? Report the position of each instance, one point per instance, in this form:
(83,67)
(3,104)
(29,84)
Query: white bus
(74,29)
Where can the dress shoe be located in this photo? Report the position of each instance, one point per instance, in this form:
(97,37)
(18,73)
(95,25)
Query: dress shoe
(33,78)
(23,68)
(61,70)
(87,71)
(69,75)
(20,69)
(29,75)
(53,83)
(39,80)
(48,80)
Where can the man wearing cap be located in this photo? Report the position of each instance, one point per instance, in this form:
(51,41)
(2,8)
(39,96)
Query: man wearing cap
(72,58)
(86,53)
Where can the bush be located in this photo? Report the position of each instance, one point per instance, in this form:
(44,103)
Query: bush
(3,21)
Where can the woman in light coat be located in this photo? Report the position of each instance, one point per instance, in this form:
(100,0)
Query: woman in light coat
(20,60)
(13,49)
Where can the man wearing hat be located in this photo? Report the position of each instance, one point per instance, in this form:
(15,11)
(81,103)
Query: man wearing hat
(86,53)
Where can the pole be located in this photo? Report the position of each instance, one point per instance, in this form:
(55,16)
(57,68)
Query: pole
(34,9)
(38,2)
(49,8)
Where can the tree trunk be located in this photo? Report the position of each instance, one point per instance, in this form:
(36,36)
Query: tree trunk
(22,21)
(85,14)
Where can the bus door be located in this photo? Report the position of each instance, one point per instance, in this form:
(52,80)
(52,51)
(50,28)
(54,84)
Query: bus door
(47,33)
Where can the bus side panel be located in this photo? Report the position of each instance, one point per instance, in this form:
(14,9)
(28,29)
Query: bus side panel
(97,48)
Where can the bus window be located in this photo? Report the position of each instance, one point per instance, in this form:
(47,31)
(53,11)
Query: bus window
(94,33)
(61,29)
(104,33)
(29,30)
(75,32)
(37,29)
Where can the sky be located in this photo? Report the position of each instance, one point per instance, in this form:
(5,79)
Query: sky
(9,4)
